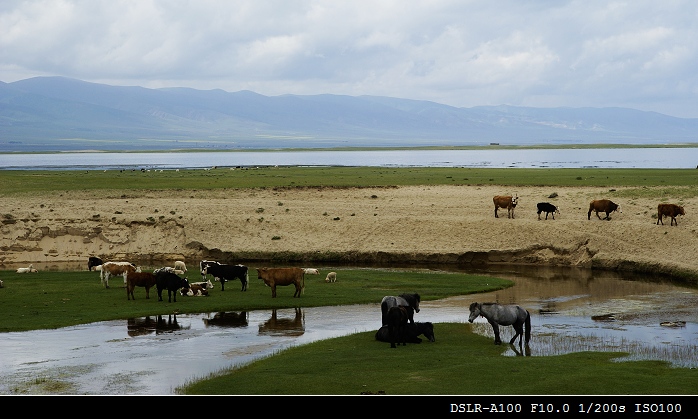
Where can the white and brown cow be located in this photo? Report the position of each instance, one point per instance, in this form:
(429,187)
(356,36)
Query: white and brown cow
(116,269)
(505,201)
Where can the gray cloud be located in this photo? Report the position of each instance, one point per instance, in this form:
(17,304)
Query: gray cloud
(638,54)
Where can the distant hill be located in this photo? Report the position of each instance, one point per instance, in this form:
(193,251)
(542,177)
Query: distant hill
(61,114)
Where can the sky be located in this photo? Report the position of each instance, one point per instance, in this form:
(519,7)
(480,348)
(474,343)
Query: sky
(639,54)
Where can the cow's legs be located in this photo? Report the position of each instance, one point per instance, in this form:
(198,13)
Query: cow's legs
(495,212)
(273,291)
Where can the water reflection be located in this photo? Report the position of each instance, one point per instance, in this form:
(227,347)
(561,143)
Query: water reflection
(228,319)
(284,326)
(148,325)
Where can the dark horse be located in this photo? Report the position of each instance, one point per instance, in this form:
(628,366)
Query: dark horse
(405,300)
(412,333)
(505,315)
(397,318)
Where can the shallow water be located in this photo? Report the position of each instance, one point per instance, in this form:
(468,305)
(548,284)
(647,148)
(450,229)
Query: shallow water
(572,310)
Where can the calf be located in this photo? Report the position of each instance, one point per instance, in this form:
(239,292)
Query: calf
(194,290)
(507,202)
(547,208)
(603,205)
(139,279)
(669,210)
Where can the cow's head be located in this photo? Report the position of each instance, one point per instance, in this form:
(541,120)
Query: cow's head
(514,201)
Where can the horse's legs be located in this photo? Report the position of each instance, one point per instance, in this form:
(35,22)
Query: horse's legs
(519,333)
(495,328)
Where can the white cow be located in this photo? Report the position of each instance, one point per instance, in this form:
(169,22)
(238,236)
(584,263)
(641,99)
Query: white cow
(311,271)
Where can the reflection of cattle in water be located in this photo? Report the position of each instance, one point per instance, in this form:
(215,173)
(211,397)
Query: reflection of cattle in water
(284,326)
(228,319)
(142,326)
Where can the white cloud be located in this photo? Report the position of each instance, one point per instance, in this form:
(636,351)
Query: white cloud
(636,53)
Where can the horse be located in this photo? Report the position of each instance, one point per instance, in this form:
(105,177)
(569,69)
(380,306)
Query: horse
(406,300)
(505,315)
(412,333)
(397,318)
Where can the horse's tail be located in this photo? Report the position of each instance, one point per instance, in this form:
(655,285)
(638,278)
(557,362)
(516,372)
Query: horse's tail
(528,326)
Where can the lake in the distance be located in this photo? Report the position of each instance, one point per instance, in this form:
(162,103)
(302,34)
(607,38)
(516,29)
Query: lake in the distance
(640,158)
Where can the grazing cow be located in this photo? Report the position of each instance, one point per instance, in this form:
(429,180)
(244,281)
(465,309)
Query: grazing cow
(602,205)
(331,277)
(547,208)
(138,279)
(165,279)
(30,269)
(114,269)
(92,262)
(507,202)
(194,290)
(179,264)
(282,277)
(225,273)
(669,210)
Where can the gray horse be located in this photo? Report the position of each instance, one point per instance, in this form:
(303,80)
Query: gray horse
(505,315)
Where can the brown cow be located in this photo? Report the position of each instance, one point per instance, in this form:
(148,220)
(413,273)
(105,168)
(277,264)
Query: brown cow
(281,277)
(138,279)
(507,202)
(603,205)
(670,210)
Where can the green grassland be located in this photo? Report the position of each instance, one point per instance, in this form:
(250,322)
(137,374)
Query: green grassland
(20,181)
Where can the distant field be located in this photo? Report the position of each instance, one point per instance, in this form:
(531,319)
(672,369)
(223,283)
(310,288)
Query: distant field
(21,181)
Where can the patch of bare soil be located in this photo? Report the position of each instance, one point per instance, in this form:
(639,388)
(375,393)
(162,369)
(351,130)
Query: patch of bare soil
(415,224)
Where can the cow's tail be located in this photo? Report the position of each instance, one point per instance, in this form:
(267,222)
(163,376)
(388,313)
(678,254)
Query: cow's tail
(528,327)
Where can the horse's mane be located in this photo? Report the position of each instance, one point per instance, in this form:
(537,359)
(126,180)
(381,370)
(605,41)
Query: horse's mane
(411,297)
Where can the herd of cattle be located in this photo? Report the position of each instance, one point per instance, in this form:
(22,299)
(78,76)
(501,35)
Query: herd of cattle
(168,278)
(596,206)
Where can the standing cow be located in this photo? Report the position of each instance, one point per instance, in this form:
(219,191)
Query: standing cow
(165,279)
(669,210)
(93,261)
(139,279)
(507,202)
(547,208)
(603,205)
(281,277)
(225,273)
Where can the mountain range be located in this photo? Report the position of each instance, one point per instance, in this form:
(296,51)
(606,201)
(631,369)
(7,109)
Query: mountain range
(62,114)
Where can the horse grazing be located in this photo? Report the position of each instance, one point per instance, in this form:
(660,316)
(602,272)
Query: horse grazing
(405,300)
(397,318)
(412,333)
(505,315)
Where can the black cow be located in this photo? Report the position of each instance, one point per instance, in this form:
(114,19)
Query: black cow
(170,281)
(547,208)
(224,273)
(93,261)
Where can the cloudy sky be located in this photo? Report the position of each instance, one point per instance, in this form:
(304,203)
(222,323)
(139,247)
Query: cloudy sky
(641,54)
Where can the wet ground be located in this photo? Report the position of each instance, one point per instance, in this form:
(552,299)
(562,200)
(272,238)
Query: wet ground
(572,310)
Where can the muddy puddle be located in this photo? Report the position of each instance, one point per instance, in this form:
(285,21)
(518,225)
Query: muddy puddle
(572,310)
